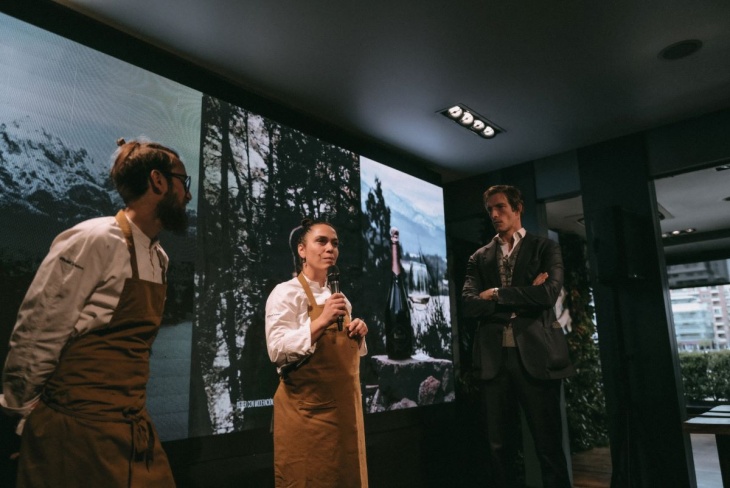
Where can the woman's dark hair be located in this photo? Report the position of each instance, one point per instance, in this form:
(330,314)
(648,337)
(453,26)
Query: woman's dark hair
(133,162)
(513,194)
(294,237)
(307,225)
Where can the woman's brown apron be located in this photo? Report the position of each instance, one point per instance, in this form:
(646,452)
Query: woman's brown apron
(91,427)
(319,439)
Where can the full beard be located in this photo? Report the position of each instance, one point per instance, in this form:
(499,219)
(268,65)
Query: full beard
(172,215)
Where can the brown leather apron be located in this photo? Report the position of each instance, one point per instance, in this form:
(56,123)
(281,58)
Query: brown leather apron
(92,428)
(319,438)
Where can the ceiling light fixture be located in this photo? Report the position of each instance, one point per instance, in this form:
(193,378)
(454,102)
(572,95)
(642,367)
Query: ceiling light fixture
(455,112)
(488,132)
(680,232)
(466,117)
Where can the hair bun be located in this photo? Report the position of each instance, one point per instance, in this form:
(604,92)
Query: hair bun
(307,222)
(121,141)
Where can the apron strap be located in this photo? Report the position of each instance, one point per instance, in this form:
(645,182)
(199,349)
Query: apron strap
(310,296)
(127,231)
(308,291)
(289,367)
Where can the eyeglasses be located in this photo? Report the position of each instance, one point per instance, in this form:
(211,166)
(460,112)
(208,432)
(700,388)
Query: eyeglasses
(186,180)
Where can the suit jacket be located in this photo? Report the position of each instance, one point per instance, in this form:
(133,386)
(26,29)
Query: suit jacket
(540,340)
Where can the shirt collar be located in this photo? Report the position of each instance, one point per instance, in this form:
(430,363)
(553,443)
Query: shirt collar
(518,235)
(140,237)
(314,283)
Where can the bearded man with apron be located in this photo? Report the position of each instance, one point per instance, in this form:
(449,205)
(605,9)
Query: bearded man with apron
(319,439)
(78,365)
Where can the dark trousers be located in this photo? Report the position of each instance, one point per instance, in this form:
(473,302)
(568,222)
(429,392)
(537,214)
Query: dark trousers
(501,398)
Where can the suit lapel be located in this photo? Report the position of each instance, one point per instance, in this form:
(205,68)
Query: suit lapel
(492,269)
(519,278)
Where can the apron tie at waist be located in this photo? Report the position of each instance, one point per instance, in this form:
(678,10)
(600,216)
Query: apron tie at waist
(143,437)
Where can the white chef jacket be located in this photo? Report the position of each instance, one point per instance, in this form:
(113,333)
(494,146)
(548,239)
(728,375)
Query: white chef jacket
(288,333)
(75,290)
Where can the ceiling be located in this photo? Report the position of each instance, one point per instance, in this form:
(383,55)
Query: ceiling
(554,75)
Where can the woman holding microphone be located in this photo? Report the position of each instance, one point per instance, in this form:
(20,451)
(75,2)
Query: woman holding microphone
(319,438)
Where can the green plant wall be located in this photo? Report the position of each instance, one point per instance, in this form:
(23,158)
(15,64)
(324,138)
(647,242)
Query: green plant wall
(585,401)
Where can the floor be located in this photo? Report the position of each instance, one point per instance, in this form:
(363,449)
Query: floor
(592,469)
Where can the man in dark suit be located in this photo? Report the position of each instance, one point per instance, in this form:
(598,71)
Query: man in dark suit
(520,353)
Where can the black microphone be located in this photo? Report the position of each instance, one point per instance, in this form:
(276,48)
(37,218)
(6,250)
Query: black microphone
(333,280)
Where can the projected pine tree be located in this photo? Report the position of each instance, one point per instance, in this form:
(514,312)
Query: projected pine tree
(376,234)
(259,179)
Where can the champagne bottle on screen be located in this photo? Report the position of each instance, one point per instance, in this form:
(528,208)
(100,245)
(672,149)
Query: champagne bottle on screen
(398,328)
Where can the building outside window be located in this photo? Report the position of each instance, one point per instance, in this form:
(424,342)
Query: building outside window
(700,296)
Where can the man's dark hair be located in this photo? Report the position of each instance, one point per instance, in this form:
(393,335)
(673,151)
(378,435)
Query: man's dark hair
(133,162)
(513,194)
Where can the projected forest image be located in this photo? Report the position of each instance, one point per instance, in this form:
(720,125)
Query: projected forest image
(62,107)
(253,181)
(259,180)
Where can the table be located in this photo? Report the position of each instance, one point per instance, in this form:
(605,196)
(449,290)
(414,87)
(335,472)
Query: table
(715,421)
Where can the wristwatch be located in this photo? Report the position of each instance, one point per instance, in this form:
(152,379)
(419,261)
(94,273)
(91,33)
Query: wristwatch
(495,294)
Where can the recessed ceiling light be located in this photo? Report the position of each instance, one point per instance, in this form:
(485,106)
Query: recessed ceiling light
(455,112)
(680,49)
(488,132)
(468,118)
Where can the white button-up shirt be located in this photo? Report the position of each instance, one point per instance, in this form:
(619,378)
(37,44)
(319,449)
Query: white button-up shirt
(75,290)
(288,332)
